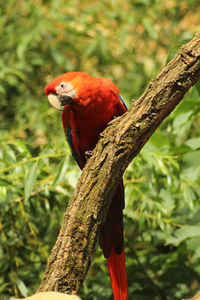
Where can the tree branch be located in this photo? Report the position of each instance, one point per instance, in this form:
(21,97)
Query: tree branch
(118,145)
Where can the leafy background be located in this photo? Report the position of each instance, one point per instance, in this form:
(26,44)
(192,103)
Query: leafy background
(128,42)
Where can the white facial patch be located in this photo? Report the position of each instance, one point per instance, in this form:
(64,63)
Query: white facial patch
(64,91)
(66,88)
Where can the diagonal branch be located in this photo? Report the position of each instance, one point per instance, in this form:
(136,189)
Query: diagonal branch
(118,145)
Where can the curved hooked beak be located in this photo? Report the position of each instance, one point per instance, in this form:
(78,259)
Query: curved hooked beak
(58,101)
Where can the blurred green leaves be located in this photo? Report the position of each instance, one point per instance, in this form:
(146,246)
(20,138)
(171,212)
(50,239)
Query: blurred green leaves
(128,42)
(150,28)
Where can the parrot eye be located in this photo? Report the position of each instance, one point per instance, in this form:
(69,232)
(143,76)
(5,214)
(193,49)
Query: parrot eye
(62,84)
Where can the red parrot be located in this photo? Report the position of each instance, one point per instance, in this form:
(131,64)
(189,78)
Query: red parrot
(87,105)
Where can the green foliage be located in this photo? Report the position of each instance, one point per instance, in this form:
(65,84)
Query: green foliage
(128,42)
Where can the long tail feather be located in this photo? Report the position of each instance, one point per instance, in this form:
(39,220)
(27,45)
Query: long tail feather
(117,270)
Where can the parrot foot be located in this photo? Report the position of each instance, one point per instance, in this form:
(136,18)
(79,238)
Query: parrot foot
(133,101)
(88,154)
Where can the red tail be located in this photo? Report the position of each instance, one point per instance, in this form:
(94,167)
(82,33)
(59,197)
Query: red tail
(117,270)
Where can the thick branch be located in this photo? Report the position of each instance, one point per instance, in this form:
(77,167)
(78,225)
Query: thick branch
(119,144)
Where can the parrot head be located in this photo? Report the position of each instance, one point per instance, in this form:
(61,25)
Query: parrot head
(63,90)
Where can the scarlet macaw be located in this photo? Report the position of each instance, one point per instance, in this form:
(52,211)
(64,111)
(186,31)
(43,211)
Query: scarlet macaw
(87,105)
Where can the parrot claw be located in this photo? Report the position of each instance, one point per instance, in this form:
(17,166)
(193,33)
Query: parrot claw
(133,101)
(88,154)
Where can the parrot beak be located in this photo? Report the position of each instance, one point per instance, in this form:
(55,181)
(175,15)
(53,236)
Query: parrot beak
(58,101)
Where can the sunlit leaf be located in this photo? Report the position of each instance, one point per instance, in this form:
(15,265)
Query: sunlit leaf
(189,196)
(21,286)
(30,181)
(61,170)
(3,192)
(184,233)
(194,143)
(180,120)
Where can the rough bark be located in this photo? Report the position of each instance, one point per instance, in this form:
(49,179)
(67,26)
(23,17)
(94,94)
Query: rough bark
(118,145)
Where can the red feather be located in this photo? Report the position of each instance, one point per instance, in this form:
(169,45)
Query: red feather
(96,102)
(117,271)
